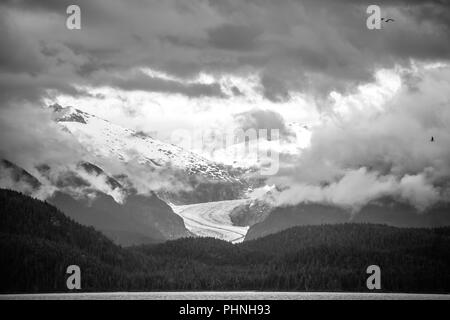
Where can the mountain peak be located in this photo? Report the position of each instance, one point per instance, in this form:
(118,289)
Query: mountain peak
(69,114)
(111,141)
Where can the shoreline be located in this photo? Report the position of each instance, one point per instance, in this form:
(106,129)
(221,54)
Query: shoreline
(232,295)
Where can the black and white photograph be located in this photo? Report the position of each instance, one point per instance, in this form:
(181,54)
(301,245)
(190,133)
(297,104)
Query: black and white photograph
(231,150)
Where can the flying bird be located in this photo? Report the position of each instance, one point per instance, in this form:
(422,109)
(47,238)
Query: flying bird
(432,139)
(387,20)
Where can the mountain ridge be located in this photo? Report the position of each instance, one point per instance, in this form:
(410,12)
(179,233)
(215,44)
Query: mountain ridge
(39,242)
(380,211)
(107,139)
(177,175)
(91,198)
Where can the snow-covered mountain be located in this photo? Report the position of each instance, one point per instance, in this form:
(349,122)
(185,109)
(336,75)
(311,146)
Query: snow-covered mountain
(113,142)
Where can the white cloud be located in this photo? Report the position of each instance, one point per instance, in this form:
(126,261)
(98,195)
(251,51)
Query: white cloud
(381,145)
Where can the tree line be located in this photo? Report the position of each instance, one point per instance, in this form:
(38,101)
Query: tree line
(38,242)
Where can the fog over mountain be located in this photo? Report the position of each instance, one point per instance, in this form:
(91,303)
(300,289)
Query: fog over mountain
(147,91)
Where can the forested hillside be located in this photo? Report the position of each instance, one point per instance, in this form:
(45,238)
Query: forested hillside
(381,211)
(38,242)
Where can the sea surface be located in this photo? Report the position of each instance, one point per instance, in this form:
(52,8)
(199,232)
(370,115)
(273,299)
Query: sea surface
(247,295)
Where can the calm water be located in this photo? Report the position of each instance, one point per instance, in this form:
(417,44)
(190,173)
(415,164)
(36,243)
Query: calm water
(228,296)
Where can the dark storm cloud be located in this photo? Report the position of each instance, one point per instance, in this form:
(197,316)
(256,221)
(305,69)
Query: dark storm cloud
(274,89)
(262,119)
(33,88)
(296,46)
(234,37)
(236,92)
(143,82)
(17,55)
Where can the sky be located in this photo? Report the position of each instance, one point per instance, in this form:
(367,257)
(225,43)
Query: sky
(371,98)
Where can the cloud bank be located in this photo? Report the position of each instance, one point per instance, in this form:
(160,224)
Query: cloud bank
(367,153)
(376,97)
(294,46)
